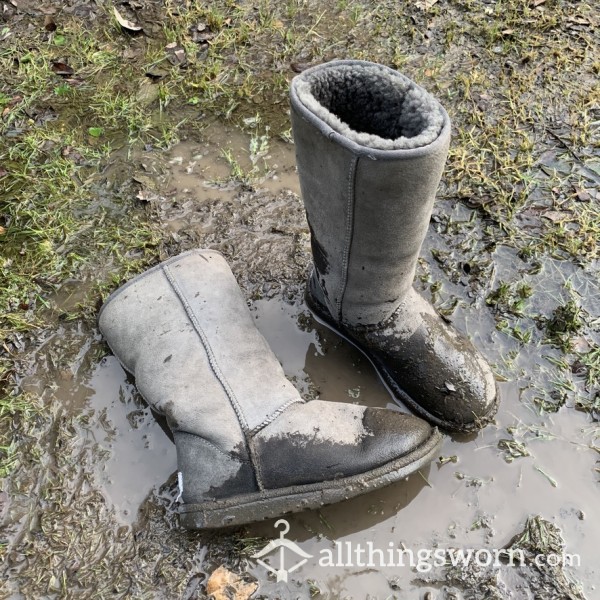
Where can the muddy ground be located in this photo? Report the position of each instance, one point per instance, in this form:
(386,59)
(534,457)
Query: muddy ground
(123,146)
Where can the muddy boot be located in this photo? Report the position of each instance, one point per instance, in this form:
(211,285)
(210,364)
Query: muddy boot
(370,149)
(248,446)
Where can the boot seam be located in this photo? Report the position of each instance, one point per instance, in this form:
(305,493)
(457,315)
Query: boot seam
(348,235)
(207,348)
(216,370)
(274,415)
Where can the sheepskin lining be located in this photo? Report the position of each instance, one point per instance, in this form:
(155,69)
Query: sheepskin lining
(372,105)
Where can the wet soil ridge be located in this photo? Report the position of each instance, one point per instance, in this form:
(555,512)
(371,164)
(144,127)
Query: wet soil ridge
(95,98)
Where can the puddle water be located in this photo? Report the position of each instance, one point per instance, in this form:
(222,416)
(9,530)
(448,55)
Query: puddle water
(132,453)
(140,455)
(201,172)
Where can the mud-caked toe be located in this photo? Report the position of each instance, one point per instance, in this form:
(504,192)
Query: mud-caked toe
(435,370)
(427,365)
(324,441)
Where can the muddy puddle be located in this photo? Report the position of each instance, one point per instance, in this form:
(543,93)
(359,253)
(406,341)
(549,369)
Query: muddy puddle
(475,500)
(477,495)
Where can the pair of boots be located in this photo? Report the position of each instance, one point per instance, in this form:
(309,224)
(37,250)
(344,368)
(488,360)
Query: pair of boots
(370,149)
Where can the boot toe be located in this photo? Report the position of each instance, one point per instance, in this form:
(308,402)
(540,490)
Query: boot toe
(462,386)
(322,441)
(431,367)
(393,434)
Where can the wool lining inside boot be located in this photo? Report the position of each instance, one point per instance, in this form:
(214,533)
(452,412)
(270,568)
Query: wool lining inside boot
(372,106)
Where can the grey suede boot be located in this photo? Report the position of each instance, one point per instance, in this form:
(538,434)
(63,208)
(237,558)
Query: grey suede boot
(248,446)
(370,149)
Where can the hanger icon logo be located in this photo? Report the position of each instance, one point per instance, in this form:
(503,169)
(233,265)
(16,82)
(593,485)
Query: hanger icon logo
(282,544)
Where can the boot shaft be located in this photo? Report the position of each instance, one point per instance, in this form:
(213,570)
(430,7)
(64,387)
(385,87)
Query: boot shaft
(368,194)
(184,331)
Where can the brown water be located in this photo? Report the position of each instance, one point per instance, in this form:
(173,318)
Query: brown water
(476,500)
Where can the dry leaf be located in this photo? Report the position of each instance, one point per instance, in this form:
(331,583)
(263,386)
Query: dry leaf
(582,195)
(61,68)
(298,67)
(225,585)
(425,4)
(49,23)
(125,23)
(578,20)
(580,344)
(147,93)
(555,216)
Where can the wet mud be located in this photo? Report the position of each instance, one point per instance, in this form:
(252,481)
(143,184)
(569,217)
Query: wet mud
(110,460)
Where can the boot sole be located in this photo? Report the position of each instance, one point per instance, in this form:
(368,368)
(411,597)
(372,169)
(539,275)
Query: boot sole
(395,391)
(267,504)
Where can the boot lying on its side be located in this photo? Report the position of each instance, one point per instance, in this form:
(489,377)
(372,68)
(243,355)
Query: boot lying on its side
(370,149)
(248,446)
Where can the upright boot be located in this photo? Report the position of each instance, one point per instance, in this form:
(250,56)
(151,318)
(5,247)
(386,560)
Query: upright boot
(248,446)
(370,149)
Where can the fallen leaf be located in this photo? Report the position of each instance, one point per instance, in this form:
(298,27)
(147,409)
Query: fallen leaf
(580,344)
(578,20)
(225,585)
(2,230)
(61,68)
(131,53)
(49,23)
(145,180)
(95,131)
(556,216)
(147,93)
(298,67)
(145,196)
(425,4)
(204,38)
(176,54)
(125,23)
(582,195)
